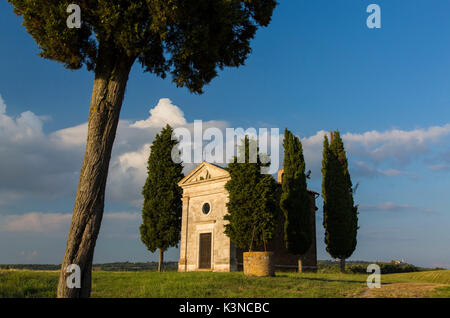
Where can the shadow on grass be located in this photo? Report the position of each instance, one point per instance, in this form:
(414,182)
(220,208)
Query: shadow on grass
(320,279)
(332,280)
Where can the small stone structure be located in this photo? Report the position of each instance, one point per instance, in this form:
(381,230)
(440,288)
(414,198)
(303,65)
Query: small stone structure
(204,245)
(259,264)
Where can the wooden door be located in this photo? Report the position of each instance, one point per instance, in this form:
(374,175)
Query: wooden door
(205,251)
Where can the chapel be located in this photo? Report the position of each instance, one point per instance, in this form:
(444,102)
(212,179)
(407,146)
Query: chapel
(204,245)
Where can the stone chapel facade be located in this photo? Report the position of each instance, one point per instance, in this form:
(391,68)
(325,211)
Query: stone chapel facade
(204,245)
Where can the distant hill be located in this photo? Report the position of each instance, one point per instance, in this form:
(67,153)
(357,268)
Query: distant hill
(323,266)
(117,266)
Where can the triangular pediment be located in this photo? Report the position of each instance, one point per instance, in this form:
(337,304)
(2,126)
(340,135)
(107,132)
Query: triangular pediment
(204,172)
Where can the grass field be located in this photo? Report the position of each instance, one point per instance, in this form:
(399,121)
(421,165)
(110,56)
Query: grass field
(21,283)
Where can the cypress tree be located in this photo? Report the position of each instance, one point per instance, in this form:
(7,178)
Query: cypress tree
(161,212)
(190,40)
(295,201)
(340,215)
(252,205)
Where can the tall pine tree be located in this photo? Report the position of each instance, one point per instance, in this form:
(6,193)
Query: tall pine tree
(340,215)
(295,200)
(161,213)
(252,206)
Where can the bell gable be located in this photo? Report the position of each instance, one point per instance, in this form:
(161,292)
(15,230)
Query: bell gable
(203,173)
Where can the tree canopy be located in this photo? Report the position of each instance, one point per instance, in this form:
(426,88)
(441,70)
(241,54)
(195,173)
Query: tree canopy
(295,200)
(252,206)
(161,212)
(340,215)
(187,38)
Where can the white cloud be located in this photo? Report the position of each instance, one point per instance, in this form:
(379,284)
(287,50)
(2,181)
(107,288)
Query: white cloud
(394,207)
(27,126)
(128,172)
(35,222)
(312,151)
(363,169)
(392,172)
(32,163)
(56,223)
(35,164)
(379,153)
(9,196)
(128,168)
(163,113)
(395,144)
(121,216)
(443,167)
(47,165)
(29,256)
(2,105)
(70,137)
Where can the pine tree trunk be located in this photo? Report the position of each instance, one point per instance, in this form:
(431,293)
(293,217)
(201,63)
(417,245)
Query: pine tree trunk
(300,265)
(342,265)
(111,77)
(161,261)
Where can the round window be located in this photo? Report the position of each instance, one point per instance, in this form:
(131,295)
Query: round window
(206,208)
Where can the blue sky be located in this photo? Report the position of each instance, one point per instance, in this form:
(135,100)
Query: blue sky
(316,68)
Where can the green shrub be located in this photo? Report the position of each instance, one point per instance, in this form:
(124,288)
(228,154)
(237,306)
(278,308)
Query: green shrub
(386,268)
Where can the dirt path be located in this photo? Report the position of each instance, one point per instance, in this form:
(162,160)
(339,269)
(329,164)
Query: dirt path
(401,290)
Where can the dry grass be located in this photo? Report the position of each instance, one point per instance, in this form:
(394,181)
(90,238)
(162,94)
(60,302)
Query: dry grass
(402,290)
